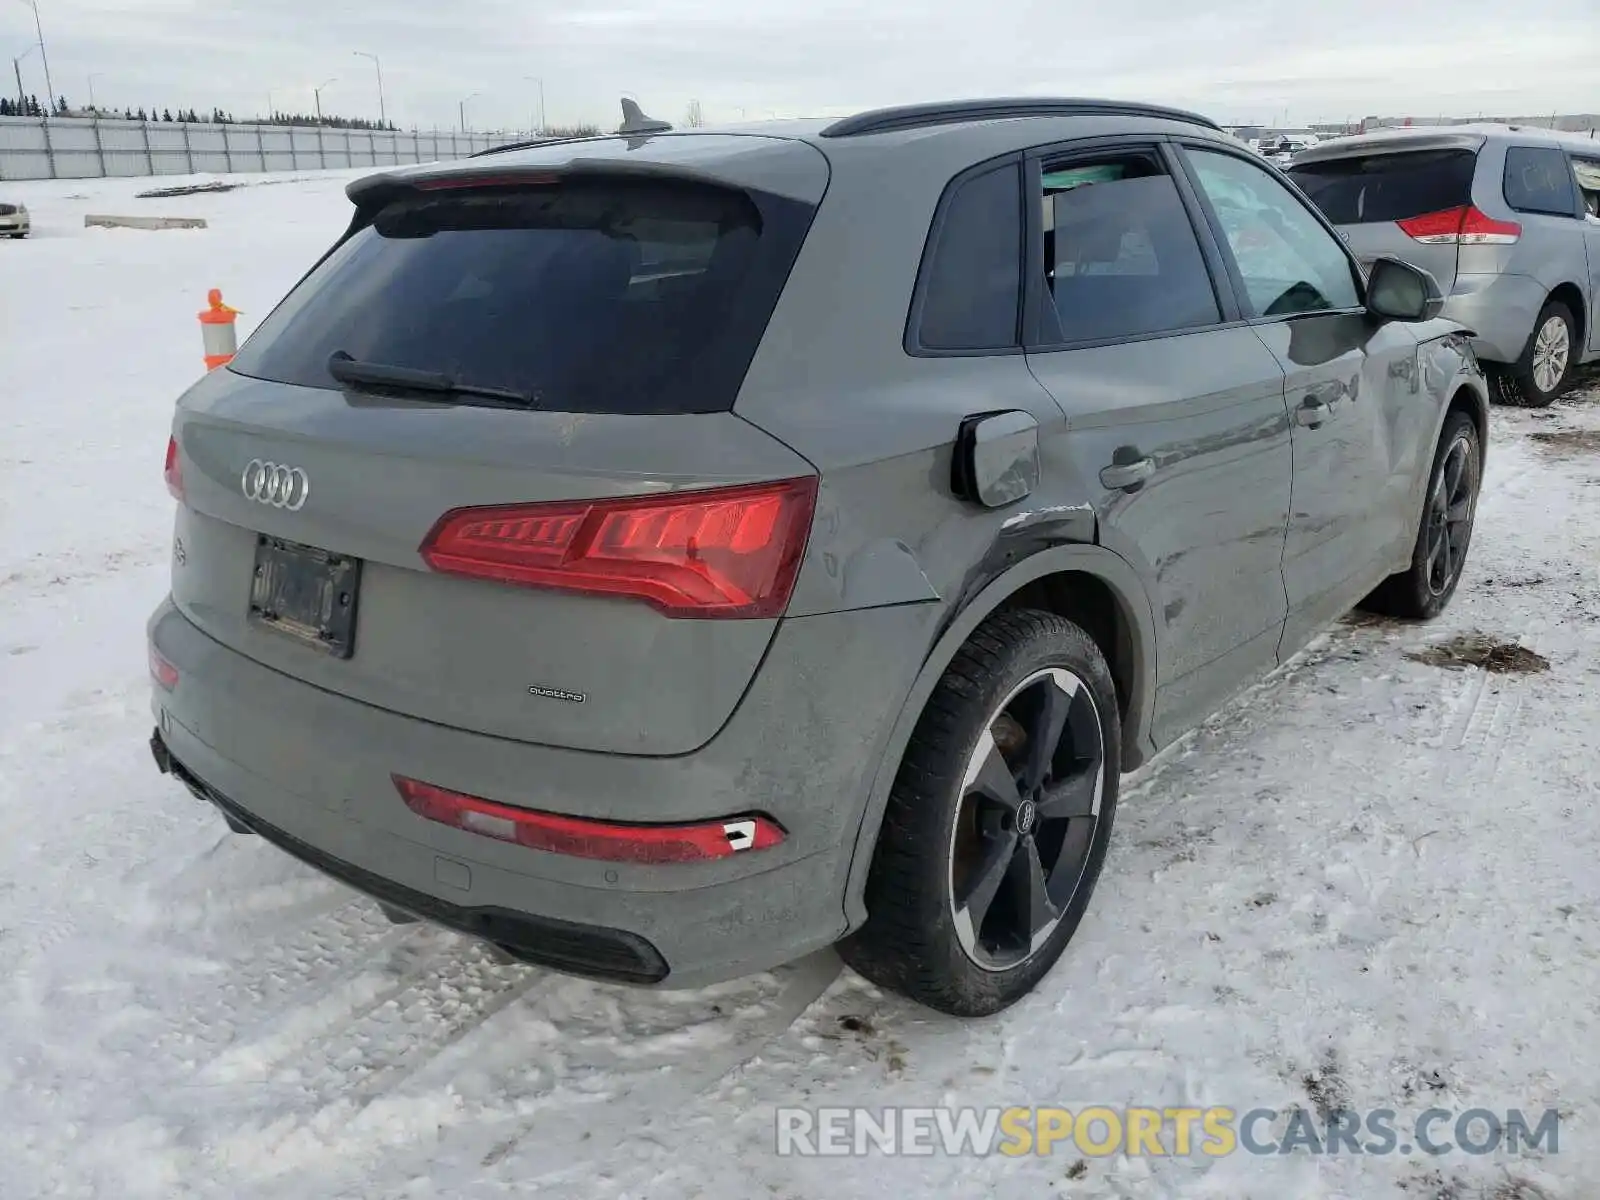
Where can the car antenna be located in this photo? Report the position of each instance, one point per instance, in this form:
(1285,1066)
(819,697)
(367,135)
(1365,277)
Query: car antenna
(634,120)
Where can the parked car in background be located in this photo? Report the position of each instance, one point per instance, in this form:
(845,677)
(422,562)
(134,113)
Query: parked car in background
(1288,149)
(1507,219)
(14,219)
(666,555)
(1282,149)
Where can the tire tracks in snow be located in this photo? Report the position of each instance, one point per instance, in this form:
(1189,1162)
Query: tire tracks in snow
(810,979)
(363,1094)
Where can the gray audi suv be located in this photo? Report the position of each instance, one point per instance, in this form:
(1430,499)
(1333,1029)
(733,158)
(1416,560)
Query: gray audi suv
(668,554)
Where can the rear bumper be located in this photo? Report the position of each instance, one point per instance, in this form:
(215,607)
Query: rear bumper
(312,772)
(581,949)
(1499,309)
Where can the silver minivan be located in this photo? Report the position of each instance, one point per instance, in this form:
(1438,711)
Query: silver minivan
(1506,218)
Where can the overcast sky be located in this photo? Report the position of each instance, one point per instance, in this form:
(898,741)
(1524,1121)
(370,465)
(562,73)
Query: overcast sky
(1236,60)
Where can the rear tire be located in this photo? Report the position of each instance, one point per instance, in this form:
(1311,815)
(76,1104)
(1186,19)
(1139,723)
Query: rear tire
(995,831)
(1424,589)
(1546,367)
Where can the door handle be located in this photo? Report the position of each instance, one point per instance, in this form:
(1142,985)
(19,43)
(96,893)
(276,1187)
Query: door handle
(1312,412)
(1129,475)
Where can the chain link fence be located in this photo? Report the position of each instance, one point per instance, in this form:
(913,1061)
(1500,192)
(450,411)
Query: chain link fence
(86,148)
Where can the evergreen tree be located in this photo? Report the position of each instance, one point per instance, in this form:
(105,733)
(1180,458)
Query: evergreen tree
(33,107)
(166,115)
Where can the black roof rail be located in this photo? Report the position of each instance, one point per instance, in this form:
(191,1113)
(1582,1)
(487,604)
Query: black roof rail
(955,112)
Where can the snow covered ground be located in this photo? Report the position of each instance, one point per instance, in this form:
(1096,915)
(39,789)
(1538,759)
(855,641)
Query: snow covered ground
(1371,882)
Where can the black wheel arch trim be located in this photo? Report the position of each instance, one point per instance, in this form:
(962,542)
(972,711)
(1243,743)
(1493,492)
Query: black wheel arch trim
(1105,566)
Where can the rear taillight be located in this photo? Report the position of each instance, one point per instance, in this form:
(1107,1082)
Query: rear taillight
(608,840)
(173,472)
(722,552)
(1467,226)
(162,671)
(1480,229)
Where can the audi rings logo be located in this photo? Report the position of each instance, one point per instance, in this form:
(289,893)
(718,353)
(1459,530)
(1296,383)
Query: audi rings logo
(275,484)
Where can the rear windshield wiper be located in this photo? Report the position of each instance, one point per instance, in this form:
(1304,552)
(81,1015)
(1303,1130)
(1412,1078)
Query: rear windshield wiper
(350,370)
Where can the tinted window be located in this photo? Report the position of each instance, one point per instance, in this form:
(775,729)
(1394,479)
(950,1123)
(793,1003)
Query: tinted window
(1388,187)
(1289,262)
(975,275)
(1121,258)
(593,296)
(1539,180)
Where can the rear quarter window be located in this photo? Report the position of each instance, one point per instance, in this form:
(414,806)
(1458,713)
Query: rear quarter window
(1387,187)
(1538,179)
(595,295)
(972,283)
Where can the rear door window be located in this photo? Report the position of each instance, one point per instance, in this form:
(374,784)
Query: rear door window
(593,295)
(1587,173)
(1538,179)
(1121,258)
(1387,187)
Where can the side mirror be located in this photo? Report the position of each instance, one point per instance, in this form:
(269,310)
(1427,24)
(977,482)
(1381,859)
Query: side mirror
(996,458)
(1398,291)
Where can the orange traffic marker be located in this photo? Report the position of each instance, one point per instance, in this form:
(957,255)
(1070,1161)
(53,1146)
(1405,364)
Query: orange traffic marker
(217,333)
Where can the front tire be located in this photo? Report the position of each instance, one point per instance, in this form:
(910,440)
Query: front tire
(1423,590)
(1545,369)
(998,822)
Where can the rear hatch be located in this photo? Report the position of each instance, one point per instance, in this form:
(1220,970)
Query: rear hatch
(1406,201)
(480,466)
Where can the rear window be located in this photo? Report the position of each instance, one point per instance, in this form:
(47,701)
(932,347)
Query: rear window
(590,295)
(1388,187)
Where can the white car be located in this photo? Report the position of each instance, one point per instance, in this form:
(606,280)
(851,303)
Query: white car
(14,220)
(1283,151)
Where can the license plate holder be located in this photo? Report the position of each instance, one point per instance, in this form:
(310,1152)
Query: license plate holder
(306,593)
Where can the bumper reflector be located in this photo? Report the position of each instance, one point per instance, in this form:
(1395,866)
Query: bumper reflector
(611,841)
(162,671)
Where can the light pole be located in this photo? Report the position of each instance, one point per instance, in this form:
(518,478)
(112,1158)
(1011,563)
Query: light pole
(540,82)
(92,78)
(461,108)
(383,116)
(48,86)
(317,92)
(16,65)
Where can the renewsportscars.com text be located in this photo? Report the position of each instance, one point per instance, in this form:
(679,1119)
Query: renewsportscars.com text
(1099,1131)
